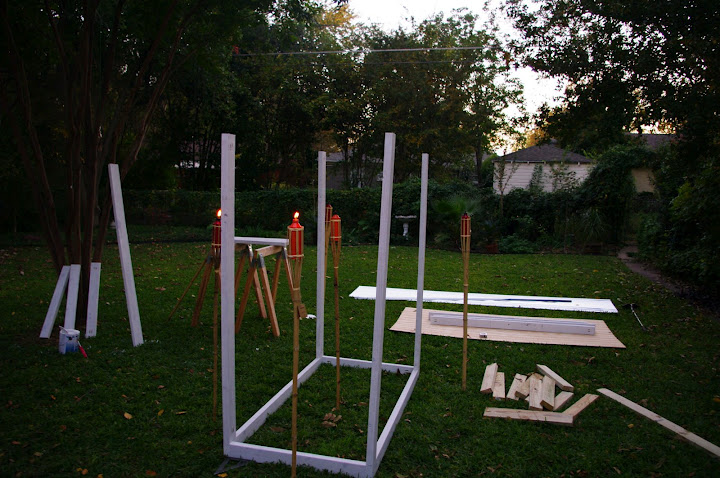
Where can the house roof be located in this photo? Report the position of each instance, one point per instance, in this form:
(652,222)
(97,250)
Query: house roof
(544,153)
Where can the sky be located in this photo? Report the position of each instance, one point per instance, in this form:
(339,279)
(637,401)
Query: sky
(390,14)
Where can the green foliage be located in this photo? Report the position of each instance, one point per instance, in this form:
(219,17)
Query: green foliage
(516,245)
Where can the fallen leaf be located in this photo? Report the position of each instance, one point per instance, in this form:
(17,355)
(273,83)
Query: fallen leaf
(716,399)
(161,412)
(180,413)
(38,453)
(127,415)
(150,473)
(631,425)
(222,475)
(159,288)
(277,429)
(328,424)
(617,470)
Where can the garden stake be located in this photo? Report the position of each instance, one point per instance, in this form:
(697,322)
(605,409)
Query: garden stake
(336,244)
(465,247)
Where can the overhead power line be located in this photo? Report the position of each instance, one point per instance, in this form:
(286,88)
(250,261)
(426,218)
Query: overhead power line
(365,51)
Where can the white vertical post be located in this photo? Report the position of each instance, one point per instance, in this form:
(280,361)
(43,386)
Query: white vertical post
(72,296)
(320,293)
(227,281)
(55,303)
(421,259)
(125,259)
(93,296)
(381,284)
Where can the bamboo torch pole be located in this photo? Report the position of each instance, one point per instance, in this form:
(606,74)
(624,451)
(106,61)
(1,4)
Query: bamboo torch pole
(216,265)
(335,240)
(465,247)
(328,217)
(295,236)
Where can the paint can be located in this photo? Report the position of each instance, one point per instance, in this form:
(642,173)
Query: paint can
(69,340)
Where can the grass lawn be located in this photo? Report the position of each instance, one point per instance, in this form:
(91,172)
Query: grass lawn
(147,411)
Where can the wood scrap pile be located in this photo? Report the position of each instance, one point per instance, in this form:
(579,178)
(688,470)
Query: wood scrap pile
(539,390)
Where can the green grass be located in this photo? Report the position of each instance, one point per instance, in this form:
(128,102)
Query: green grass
(63,414)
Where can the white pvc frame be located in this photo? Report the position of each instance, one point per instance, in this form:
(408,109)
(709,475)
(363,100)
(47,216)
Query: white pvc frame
(234,438)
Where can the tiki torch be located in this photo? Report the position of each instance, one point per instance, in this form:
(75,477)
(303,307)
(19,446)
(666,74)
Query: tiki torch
(335,240)
(295,237)
(216,235)
(465,248)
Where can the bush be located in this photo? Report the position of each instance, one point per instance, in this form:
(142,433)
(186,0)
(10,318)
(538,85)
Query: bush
(516,245)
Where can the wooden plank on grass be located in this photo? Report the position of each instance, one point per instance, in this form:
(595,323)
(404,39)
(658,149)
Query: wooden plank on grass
(664,422)
(93,298)
(529,415)
(489,378)
(525,324)
(72,296)
(547,393)
(535,393)
(561,399)
(518,381)
(499,386)
(580,405)
(561,382)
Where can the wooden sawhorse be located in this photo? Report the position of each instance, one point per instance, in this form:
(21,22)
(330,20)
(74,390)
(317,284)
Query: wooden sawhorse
(258,282)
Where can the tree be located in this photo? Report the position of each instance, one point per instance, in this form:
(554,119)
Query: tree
(633,64)
(445,92)
(81,82)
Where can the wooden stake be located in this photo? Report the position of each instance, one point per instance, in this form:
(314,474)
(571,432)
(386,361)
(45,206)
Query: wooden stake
(535,393)
(499,386)
(664,422)
(489,378)
(296,360)
(561,382)
(465,247)
(580,405)
(215,341)
(561,399)
(335,240)
(529,415)
(547,393)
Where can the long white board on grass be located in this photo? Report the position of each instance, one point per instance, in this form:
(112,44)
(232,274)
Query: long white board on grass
(93,298)
(507,322)
(492,300)
(125,259)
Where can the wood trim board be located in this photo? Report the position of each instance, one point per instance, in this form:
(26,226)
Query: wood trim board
(603,335)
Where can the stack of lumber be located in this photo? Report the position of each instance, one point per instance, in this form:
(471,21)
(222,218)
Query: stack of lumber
(539,390)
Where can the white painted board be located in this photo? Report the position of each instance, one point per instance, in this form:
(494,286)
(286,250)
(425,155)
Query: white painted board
(528,324)
(72,296)
(263,241)
(494,300)
(93,297)
(55,303)
(125,259)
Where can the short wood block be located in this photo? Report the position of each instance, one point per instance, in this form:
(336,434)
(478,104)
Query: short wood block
(547,393)
(499,386)
(529,415)
(535,393)
(489,378)
(562,399)
(518,381)
(561,382)
(580,405)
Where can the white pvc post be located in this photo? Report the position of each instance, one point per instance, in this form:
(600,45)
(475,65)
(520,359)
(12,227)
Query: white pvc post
(72,296)
(381,284)
(421,259)
(320,293)
(55,303)
(227,281)
(125,259)
(93,297)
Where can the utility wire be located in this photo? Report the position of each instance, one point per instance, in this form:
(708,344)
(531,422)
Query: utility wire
(372,50)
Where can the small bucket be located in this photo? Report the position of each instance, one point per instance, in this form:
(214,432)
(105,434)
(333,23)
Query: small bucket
(69,340)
